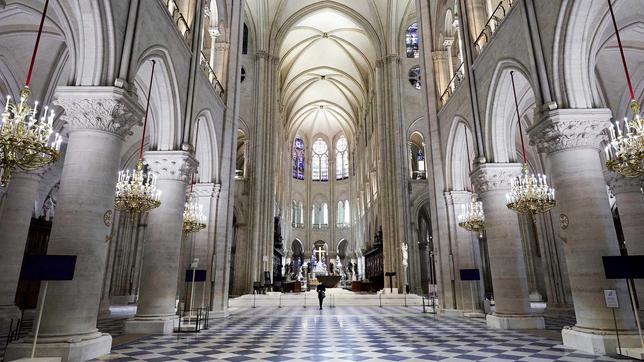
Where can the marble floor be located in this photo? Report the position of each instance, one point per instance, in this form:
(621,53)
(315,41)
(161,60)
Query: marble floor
(347,334)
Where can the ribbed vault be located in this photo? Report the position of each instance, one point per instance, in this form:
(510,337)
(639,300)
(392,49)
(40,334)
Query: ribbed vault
(326,68)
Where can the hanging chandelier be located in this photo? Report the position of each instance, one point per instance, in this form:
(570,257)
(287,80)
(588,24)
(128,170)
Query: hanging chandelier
(529,193)
(625,150)
(27,139)
(136,190)
(472,217)
(193,218)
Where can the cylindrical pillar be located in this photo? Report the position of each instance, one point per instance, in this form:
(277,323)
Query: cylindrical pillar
(507,262)
(155,312)
(98,118)
(630,206)
(14,228)
(570,139)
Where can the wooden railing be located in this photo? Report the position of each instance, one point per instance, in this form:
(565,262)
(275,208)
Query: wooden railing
(498,15)
(453,84)
(212,77)
(177,17)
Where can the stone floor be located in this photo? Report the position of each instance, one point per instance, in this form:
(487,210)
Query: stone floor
(347,334)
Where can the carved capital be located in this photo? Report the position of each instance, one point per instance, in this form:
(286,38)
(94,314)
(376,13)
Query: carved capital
(108,109)
(620,184)
(458,197)
(494,176)
(206,189)
(564,129)
(171,165)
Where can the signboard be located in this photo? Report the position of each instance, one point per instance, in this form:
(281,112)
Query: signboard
(624,267)
(470,274)
(200,275)
(610,297)
(48,267)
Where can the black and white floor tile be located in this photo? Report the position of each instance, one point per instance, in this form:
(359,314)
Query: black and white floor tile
(346,334)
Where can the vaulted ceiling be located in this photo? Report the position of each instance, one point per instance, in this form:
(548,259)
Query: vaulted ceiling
(326,67)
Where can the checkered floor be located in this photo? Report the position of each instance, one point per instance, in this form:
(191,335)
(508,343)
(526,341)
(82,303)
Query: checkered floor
(346,334)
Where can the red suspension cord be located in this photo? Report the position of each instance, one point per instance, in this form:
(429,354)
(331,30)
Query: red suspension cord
(147,108)
(516,106)
(621,51)
(33,56)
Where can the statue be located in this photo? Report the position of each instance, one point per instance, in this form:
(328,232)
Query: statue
(405,254)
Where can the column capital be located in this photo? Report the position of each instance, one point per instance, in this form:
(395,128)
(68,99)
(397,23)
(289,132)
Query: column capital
(108,109)
(439,55)
(564,129)
(494,176)
(620,184)
(171,165)
(204,189)
(458,197)
(448,41)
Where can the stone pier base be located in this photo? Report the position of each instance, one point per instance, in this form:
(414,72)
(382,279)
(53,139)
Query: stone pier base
(71,351)
(598,342)
(515,321)
(151,325)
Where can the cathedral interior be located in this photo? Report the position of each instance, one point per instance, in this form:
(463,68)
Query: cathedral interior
(189,180)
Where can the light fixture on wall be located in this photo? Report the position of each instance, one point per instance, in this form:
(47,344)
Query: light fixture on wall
(529,193)
(27,139)
(136,190)
(472,217)
(625,151)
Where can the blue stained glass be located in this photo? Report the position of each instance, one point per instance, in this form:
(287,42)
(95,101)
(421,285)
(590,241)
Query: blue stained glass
(411,41)
(298,159)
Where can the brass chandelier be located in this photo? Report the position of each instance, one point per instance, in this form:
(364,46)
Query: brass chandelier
(136,190)
(625,150)
(27,139)
(193,218)
(529,193)
(472,217)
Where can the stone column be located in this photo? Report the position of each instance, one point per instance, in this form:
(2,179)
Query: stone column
(630,205)
(214,34)
(155,312)
(465,254)
(442,73)
(97,119)
(570,139)
(221,56)
(14,228)
(507,262)
(447,43)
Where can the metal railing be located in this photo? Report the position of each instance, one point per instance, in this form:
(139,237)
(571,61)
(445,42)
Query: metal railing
(320,226)
(453,84)
(177,17)
(492,24)
(297,225)
(342,225)
(212,77)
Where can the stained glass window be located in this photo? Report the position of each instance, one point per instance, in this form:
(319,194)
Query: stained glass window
(411,41)
(341,159)
(298,159)
(320,161)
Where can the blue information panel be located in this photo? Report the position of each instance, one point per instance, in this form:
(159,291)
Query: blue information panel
(470,274)
(48,267)
(200,275)
(624,267)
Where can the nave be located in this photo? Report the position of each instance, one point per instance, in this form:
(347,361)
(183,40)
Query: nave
(351,334)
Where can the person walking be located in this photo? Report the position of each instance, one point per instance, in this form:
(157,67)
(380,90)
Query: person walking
(321,289)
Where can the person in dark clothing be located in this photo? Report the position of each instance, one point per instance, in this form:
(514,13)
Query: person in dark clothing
(321,289)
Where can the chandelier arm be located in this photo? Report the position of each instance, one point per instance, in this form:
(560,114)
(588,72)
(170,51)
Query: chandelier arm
(621,50)
(516,106)
(147,108)
(33,55)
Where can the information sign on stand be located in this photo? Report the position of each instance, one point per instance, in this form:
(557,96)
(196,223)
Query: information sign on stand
(45,268)
(610,297)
